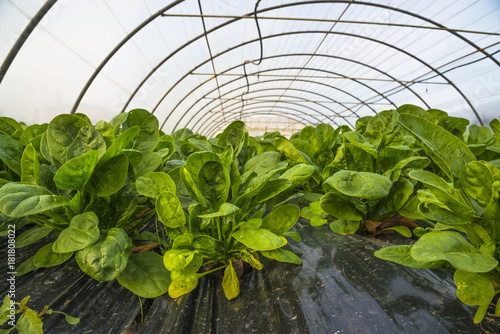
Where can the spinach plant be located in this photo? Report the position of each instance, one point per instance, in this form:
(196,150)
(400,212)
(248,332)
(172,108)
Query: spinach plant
(30,321)
(464,211)
(228,222)
(80,185)
(366,184)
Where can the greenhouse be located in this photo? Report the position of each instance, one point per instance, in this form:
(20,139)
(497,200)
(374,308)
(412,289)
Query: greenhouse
(249,166)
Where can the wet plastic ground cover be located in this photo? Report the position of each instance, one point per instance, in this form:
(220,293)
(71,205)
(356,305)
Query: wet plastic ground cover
(340,288)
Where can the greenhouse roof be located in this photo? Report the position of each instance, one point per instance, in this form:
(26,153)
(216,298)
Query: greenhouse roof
(277,65)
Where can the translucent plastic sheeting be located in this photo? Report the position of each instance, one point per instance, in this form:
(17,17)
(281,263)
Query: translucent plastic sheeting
(322,61)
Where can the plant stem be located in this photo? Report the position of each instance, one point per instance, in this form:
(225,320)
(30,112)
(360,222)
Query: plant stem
(473,236)
(219,229)
(211,271)
(44,222)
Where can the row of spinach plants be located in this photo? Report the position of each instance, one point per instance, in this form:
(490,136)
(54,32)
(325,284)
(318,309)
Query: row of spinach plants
(408,165)
(225,201)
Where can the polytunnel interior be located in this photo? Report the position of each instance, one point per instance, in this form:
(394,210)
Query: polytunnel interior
(277,65)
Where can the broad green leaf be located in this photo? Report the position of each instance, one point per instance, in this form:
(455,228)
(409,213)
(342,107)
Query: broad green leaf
(477,181)
(148,136)
(259,239)
(25,267)
(154,183)
(188,148)
(386,122)
(230,282)
(190,268)
(214,184)
(282,255)
(179,288)
(256,184)
(10,127)
(120,143)
(446,150)
(224,210)
(399,194)
(342,226)
(183,241)
(4,310)
(47,174)
(495,126)
(88,139)
(109,177)
(281,219)
(182,134)
(149,163)
(293,156)
(178,259)
(31,132)
(455,125)
(234,135)
(436,212)
(298,174)
(402,255)
(46,257)
(71,320)
(271,189)
(390,156)
(108,257)
(443,191)
(6,222)
(480,313)
(474,288)
(416,111)
(145,275)
(117,121)
(318,221)
(323,132)
(61,132)
(29,323)
(215,249)
(403,230)
(169,210)
(32,235)
(83,231)
(107,132)
(251,260)
(339,207)
(308,134)
(329,140)
(196,224)
(11,153)
(492,211)
(45,150)
(74,174)
(303,146)
(360,184)
(18,200)
(452,247)
(357,140)
(408,163)
(197,160)
(30,167)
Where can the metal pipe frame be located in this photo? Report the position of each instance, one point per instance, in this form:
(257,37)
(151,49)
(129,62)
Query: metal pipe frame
(215,116)
(210,112)
(276,80)
(260,72)
(46,7)
(335,33)
(275,69)
(24,36)
(231,114)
